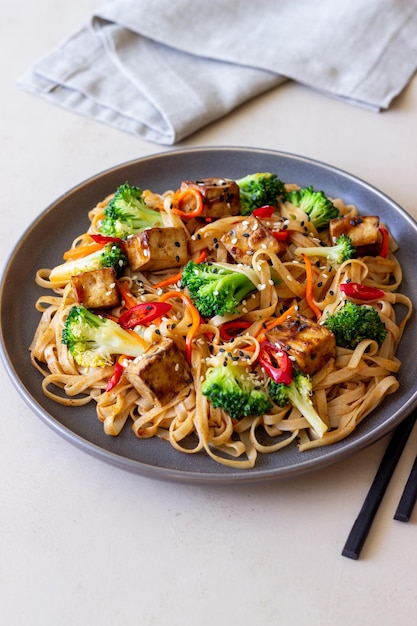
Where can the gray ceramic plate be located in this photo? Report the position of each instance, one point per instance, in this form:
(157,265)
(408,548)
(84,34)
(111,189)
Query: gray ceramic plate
(67,217)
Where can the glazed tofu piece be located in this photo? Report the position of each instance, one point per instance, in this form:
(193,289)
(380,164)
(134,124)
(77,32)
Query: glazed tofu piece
(311,344)
(160,373)
(248,236)
(157,249)
(220,196)
(96,289)
(363,231)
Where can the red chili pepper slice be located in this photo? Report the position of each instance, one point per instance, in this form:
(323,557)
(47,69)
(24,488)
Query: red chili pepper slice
(385,242)
(105,239)
(119,367)
(280,235)
(229,330)
(275,362)
(143,313)
(361,292)
(264,211)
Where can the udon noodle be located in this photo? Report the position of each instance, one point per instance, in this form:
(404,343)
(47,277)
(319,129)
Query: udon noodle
(345,390)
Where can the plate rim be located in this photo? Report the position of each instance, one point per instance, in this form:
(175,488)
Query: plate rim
(178,475)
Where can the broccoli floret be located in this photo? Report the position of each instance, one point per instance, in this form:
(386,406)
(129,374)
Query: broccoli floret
(355,322)
(317,206)
(215,290)
(341,251)
(298,393)
(111,255)
(234,388)
(127,214)
(92,340)
(259,189)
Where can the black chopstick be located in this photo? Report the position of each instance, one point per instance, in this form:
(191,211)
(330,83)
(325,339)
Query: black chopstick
(409,496)
(363,522)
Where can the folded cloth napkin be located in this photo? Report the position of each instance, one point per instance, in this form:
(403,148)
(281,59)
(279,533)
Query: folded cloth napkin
(163,69)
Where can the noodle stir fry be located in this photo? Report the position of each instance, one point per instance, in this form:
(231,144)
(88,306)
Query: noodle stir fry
(230,318)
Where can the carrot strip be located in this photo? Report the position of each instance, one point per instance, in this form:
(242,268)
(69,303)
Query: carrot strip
(198,200)
(171,280)
(81,251)
(195,318)
(309,287)
(127,297)
(276,322)
(138,338)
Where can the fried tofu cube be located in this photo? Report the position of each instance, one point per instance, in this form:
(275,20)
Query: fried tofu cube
(160,373)
(96,289)
(311,344)
(248,236)
(363,231)
(221,196)
(157,249)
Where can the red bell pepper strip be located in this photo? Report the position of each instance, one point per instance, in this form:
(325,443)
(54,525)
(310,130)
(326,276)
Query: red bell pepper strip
(276,362)
(267,211)
(264,211)
(229,330)
(119,367)
(361,292)
(385,242)
(143,314)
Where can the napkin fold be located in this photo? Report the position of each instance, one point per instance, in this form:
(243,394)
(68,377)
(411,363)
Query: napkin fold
(165,69)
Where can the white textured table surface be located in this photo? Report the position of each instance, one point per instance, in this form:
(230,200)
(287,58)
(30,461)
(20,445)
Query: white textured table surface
(84,543)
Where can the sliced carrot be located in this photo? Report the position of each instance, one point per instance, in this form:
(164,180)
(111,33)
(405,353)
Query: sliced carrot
(276,321)
(309,287)
(127,297)
(195,318)
(81,251)
(182,194)
(171,280)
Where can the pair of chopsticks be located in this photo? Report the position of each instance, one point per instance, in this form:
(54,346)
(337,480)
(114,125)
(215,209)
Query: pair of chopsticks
(363,522)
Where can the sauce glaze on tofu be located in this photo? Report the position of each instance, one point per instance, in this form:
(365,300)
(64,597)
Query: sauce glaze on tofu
(311,344)
(157,249)
(362,230)
(248,236)
(96,289)
(160,373)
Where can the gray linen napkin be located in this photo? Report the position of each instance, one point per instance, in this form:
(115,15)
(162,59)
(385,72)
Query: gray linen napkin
(163,69)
